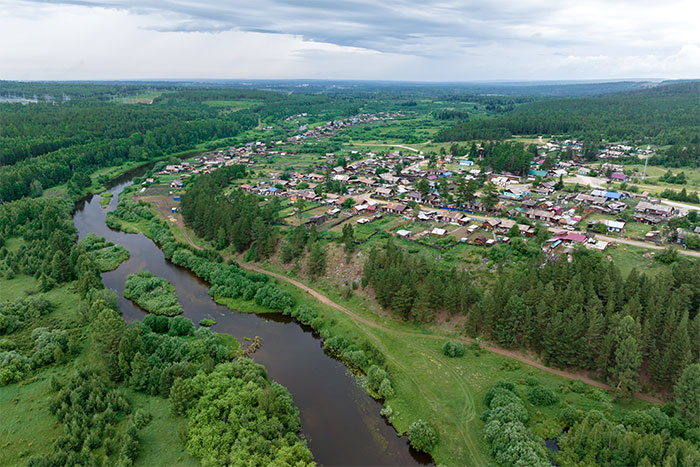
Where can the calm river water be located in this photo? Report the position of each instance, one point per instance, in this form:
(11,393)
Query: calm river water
(340,421)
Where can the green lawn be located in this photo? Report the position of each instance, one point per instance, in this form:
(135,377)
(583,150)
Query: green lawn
(627,257)
(160,443)
(27,428)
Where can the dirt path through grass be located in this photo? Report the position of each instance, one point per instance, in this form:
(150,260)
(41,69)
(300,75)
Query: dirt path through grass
(467,340)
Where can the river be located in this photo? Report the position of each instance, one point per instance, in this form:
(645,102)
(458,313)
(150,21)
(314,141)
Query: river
(340,421)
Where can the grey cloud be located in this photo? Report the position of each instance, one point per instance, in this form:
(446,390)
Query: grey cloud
(407,26)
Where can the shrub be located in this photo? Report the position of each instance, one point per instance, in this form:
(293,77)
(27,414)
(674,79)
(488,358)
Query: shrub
(180,326)
(531,381)
(273,297)
(569,416)
(385,388)
(453,349)
(422,436)
(540,395)
(13,366)
(578,386)
(154,294)
(207,322)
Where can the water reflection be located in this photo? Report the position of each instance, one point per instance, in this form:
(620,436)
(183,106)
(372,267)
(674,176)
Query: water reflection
(340,421)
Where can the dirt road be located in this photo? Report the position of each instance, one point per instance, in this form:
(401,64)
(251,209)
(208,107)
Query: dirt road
(467,340)
(600,183)
(493,348)
(636,243)
(409,148)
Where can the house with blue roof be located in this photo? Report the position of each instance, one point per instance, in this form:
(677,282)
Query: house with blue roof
(613,195)
(537,173)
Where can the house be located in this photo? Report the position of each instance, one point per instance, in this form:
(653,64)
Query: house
(362,220)
(395,208)
(491,223)
(515,192)
(403,233)
(619,177)
(438,232)
(681,236)
(647,218)
(653,235)
(599,245)
(613,195)
(544,188)
(383,192)
(315,220)
(415,196)
(526,230)
(480,240)
(452,217)
(537,173)
(614,226)
(529,204)
(426,215)
(540,215)
(571,238)
(504,227)
(654,209)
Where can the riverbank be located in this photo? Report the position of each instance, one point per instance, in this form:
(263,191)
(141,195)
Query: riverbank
(341,423)
(449,392)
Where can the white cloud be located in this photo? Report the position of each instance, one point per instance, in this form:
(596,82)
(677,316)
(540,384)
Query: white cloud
(457,40)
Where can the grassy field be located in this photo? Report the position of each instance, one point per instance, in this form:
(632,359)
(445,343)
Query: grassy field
(27,427)
(160,443)
(628,257)
(447,392)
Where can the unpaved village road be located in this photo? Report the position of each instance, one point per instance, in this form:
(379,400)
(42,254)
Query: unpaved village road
(467,340)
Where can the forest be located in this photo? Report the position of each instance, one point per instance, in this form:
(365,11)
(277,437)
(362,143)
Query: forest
(237,218)
(665,115)
(626,330)
(44,145)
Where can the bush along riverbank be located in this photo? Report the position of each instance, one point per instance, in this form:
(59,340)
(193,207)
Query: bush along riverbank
(245,291)
(154,294)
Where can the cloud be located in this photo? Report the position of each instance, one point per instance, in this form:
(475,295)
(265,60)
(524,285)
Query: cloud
(446,40)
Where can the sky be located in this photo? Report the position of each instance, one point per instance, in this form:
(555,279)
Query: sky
(397,40)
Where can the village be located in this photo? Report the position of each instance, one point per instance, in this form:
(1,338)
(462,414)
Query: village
(420,198)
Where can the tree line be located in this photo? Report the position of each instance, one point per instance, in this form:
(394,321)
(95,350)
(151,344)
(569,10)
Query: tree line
(414,288)
(124,133)
(664,118)
(238,218)
(584,314)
